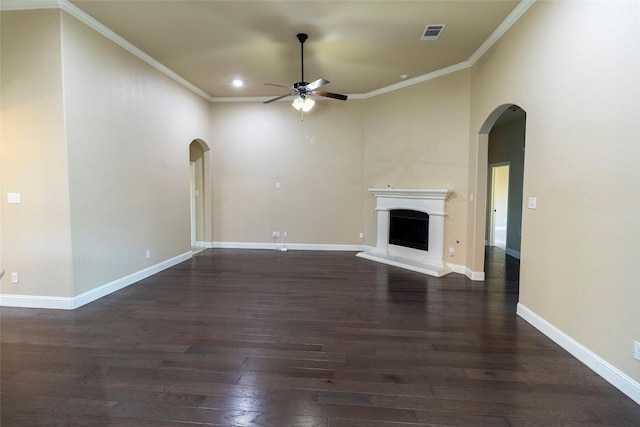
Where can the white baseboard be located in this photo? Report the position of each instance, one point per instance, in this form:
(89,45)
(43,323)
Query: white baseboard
(283,246)
(35,301)
(70,303)
(199,244)
(618,379)
(474,275)
(461,269)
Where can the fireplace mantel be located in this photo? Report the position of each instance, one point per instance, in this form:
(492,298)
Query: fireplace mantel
(404,193)
(432,202)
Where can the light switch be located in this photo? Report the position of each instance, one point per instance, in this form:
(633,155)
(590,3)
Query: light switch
(533,201)
(13,197)
(277,185)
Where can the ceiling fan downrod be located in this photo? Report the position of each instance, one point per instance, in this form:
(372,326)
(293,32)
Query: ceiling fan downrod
(302,37)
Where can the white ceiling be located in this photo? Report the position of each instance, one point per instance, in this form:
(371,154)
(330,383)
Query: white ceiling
(360,46)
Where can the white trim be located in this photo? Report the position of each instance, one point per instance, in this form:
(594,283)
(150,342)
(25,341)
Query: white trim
(515,14)
(423,78)
(474,275)
(461,269)
(100,28)
(288,246)
(411,193)
(70,303)
(200,244)
(29,4)
(35,301)
(614,376)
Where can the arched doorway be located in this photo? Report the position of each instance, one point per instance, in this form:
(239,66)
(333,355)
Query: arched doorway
(200,194)
(500,142)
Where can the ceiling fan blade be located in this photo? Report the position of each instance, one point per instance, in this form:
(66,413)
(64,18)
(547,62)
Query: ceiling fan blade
(331,95)
(275,84)
(315,85)
(275,99)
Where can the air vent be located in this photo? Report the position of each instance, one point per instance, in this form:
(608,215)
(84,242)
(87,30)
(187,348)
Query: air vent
(432,32)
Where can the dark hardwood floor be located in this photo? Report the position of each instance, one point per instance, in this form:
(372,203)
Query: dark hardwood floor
(264,338)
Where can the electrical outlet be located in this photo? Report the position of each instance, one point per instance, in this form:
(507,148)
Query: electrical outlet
(148,254)
(284,234)
(451,251)
(362,235)
(14,278)
(636,350)
(275,234)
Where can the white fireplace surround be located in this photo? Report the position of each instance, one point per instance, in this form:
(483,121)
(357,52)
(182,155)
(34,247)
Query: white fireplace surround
(431,202)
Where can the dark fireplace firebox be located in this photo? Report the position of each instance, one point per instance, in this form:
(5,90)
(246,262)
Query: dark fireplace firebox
(409,229)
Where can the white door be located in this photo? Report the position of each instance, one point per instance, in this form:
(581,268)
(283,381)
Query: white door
(499,205)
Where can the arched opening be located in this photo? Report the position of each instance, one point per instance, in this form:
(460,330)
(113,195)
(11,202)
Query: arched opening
(500,143)
(200,194)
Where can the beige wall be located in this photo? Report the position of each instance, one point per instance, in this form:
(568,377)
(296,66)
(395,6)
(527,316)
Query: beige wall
(36,240)
(580,89)
(106,179)
(417,137)
(129,158)
(318,163)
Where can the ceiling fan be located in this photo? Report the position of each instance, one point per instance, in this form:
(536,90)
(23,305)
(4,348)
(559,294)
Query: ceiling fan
(302,89)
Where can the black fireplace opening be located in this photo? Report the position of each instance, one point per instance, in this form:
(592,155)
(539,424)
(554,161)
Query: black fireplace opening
(409,229)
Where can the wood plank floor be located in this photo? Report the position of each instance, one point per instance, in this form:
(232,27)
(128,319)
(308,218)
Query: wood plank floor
(324,339)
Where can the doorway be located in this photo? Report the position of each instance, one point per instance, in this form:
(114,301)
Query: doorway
(201,230)
(499,205)
(501,142)
(193,193)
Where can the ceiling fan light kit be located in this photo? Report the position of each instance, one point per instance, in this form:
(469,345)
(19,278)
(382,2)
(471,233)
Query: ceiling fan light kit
(302,90)
(303,104)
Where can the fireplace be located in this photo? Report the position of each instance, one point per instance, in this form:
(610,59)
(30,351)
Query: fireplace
(410,230)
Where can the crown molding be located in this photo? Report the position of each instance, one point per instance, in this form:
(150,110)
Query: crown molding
(105,31)
(519,10)
(515,14)
(419,79)
(30,4)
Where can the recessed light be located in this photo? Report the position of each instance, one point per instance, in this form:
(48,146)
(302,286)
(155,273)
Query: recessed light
(237,83)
